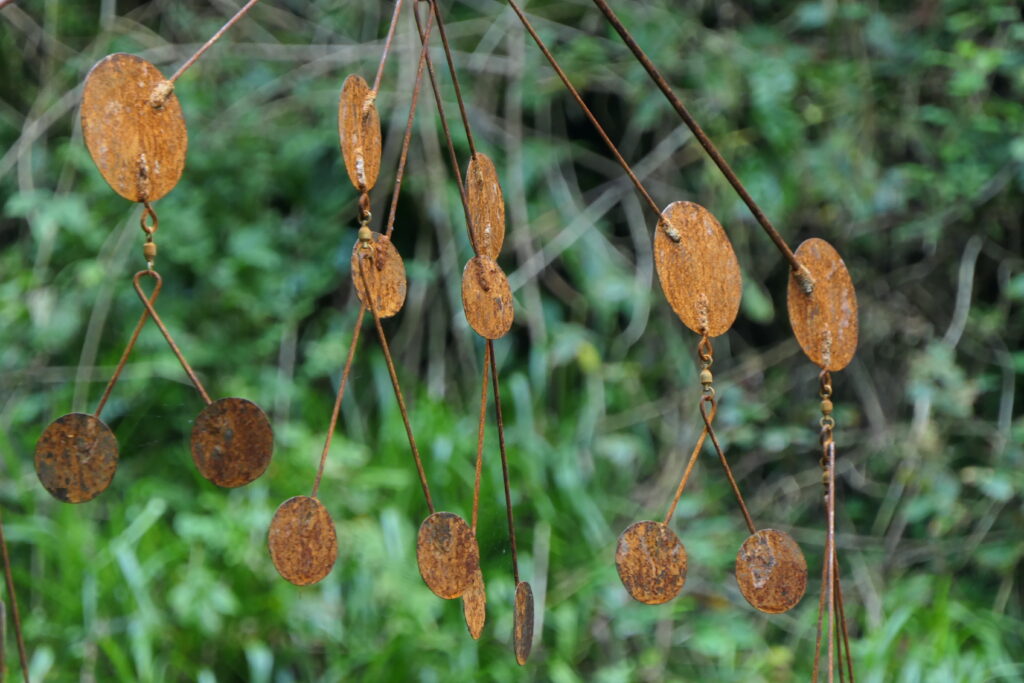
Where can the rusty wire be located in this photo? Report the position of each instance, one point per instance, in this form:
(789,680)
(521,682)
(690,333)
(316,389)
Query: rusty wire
(387,46)
(480,437)
(455,78)
(9,578)
(127,350)
(209,43)
(504,461)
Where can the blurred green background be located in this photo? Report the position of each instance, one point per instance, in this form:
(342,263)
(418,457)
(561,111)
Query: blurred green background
(895,130)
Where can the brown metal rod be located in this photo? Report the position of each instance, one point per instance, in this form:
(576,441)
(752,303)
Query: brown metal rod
(127,350)
(213,39)
(455,77)
(387,45)
(9,578)
(504,461)
(480,437)
(689,468)
(721,457)
(842,621)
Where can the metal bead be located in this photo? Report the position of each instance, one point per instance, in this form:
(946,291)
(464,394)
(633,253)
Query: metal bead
(365,234)
(826,406)
(149,250)
(705,377)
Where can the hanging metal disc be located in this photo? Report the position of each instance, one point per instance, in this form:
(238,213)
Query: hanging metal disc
(302,541)
(651,561)
(486,205)
(359,130)
(487,298)
(522,626)
(447,554)
(771,571)
(232,442)
(76,457)
(385,273)
(474,605)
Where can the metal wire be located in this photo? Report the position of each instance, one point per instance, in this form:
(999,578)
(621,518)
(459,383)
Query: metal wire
(9,578)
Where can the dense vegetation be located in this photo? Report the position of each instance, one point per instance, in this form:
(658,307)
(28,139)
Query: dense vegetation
(893,129)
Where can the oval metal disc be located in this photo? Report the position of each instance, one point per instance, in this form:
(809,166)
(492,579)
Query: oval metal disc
(487,298)
(824,321)
(697,268)
(771,571)
(139,148)
(474,605)
(385,274)
(302,541)
(76,457)
(522,626)
(486,205)
(651,561)
(447,554)
(359,130)
(232,442)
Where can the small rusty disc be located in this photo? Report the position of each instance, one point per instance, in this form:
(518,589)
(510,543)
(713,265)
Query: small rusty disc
(76,457)
(651,561)
(359,130)
(522,626)
(697,268)
(824,321)
(487,298)
(771,571)
(138,145)
(302,541)
(385,274)
(447,554)
(474,605)
(232,442)
(486,205)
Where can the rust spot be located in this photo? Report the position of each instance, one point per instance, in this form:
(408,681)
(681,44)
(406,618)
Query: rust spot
(487,298)
(232,442)
(486,205)
(771,571)
(76,457)
(302,541)
(387,279)
(474,605)
(522,627)
(651,561)
(359,131)
(447,554)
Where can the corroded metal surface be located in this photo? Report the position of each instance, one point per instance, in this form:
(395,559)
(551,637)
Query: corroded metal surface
(138,148)
(697,268)
(232,442)
(486,205)
(359,131)
(487,298)
(771,571)
(824,321)
(522,626)
(302,541)
(651,561)
(385,274)
(474,605)
(447,554)
(76,457)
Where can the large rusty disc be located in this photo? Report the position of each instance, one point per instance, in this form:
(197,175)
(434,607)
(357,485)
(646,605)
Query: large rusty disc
(359,130)
(487,298)
(76,457)
(385,273)
(474,605)
(232,442)
(139,148)
(522,625)
(824,321)
(697,268)
(651,561)
(771,571)
(486,205)
(302,541)
(447,554)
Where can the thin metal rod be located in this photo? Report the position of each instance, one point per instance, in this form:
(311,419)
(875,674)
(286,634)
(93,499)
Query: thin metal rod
(127,350)
(821,613)
(337,399)
(842,621)
(163,330)
(480,437)
(504,460)
(455,77)
(387,45)
(9,578)
(830,556)
(213,39)
(721,456)
(689,468)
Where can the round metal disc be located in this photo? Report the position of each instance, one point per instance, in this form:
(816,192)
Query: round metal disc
(651,561)
(824,321)
(139,148)
(447,554)
(232,442)
(302,541)
(486,205)
(487,298)
(697,268)
(522,627)
(359,130)
(474,605)
(76,457)
(385,274)
(771,571)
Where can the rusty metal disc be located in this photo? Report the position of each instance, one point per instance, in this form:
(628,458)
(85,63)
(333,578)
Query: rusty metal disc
(486,205)
(824,321)
(138,145)
(76,457)
(522,625)
(232,442)
(487,298)
(771,571)
(385,273)
(302,541)
(697,268)
(474,605)
(447,554)
(359,130)
(651,561)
